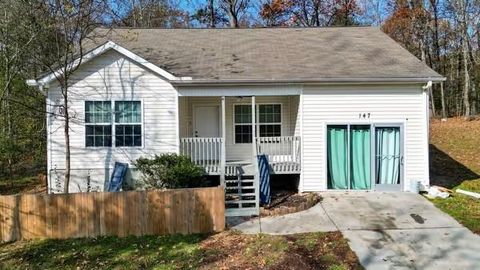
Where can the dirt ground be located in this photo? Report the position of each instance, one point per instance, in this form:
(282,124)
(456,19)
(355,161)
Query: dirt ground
(288,199)
(226,250)
(233,250)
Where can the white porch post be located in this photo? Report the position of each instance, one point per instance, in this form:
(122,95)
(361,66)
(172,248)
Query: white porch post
(256,177)
(254,124)
(223,150)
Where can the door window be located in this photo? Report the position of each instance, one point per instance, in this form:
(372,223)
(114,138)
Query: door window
(387,155)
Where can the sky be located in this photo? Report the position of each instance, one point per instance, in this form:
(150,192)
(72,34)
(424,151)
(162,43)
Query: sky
(374,12)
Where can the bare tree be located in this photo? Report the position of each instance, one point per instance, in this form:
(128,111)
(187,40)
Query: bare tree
(311,13)
(461,17)
(71,22)
(149,14)
(211,11)
(439,66)
(15,40)
(234,8)
(210,14)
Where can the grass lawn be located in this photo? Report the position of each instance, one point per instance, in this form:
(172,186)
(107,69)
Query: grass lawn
(227,250)
(455,163)
(463,208)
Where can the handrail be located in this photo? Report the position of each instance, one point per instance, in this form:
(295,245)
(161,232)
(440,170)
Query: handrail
(280,149)
(283,153)
(203,151)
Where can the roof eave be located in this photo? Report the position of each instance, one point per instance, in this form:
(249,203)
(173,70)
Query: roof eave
(99,50)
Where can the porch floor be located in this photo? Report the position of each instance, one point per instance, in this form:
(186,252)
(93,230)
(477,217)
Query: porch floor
(245,167)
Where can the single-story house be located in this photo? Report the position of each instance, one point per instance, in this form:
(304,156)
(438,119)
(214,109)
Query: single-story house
(341,108)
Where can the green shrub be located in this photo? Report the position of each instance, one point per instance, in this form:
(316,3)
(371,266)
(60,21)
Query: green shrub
(170,171)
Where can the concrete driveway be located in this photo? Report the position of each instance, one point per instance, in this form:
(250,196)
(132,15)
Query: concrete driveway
(387,230)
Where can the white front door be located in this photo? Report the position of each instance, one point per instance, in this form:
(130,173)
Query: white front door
(206,122)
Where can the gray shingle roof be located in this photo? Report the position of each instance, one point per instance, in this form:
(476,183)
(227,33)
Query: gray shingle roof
(272,53)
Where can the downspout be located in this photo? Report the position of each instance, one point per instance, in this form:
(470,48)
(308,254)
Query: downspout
(43,89)
(427,86)
(426,89)
(48,107)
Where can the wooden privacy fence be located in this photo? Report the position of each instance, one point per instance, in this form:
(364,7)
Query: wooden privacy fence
(154,212)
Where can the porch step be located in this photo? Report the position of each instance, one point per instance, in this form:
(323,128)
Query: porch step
(240,201)
(233,170)
(242,181)
(241,195)
(233,195)
(238,187)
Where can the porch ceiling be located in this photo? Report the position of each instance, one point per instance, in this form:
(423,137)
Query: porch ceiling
(235,91)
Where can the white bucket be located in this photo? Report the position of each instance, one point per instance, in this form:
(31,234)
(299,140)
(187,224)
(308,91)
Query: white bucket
(415,186)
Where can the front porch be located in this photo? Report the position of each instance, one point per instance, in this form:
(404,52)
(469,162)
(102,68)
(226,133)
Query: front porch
(220,134)
(226,134)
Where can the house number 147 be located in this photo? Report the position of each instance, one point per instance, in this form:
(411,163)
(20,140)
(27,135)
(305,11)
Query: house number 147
(363,115)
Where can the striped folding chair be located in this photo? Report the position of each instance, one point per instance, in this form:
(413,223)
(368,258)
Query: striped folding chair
(264,175)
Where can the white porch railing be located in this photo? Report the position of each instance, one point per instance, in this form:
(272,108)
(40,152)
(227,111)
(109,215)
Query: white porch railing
(205,152)
(283,153)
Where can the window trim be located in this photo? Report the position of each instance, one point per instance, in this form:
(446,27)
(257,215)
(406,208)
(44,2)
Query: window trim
(112,124)
(257,125)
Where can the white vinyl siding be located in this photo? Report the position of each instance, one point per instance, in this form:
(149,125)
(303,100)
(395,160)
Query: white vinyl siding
(324,105)
(113,77)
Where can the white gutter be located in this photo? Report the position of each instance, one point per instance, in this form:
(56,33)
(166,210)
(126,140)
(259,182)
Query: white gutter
(32,83)
(207,82)
(427,86)
(40,86)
